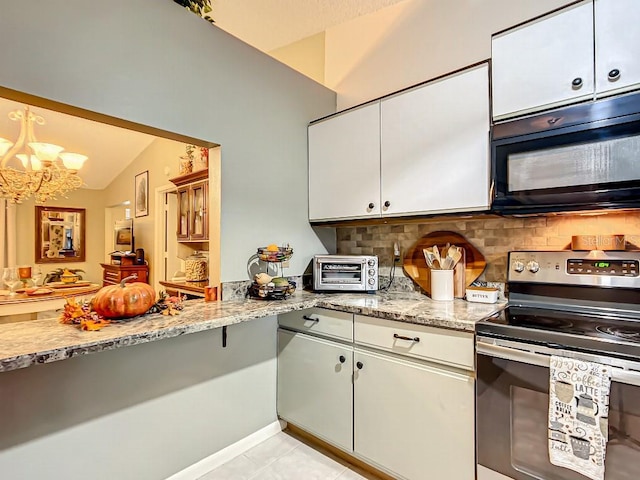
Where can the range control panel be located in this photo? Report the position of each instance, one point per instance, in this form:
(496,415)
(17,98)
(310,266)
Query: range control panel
(627,268)
(597,268)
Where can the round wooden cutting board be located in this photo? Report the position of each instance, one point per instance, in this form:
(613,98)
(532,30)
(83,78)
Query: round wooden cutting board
(466,272)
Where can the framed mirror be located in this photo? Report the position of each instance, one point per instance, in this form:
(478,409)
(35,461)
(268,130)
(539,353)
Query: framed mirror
(60,235)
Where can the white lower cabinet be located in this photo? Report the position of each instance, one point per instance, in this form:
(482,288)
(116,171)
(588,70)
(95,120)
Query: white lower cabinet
(412,419)
(314,386)
(395,404)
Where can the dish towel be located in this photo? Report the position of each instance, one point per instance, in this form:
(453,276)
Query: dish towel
(578,415)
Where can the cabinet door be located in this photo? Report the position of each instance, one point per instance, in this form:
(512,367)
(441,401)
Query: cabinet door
(182,231)
(344,165)
(435,146)
(198,228)
(617,45)
(534,66)
(314,386)
(413,420)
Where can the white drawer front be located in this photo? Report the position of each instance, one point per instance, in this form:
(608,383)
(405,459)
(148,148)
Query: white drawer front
(437,344)
(321,321)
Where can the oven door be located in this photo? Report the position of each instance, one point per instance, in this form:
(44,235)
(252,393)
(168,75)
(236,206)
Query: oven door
(512,404)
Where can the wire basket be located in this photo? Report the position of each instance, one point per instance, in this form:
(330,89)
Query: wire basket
(281,255)
(271,292)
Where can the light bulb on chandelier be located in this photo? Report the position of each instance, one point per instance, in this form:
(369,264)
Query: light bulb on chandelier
(46,170)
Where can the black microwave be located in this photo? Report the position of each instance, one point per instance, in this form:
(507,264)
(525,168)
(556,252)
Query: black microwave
(582,157)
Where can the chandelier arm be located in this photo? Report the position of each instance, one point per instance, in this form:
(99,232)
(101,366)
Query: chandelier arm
(4,180)
(28,123)
(23,117)
(45,175)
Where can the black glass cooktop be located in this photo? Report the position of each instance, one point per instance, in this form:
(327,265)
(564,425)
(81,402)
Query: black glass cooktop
(566,329)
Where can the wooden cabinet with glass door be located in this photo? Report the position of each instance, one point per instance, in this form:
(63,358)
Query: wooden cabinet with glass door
(193,199)
(198,227)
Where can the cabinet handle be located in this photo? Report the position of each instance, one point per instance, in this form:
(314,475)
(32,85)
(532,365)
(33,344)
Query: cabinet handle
(614,75)
(307,317)
(342,358)
(402,337)
(359,365)
(371,206)
(387,204)
(577,83)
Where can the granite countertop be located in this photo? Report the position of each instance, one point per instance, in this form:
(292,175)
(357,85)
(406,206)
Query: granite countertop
(23,344)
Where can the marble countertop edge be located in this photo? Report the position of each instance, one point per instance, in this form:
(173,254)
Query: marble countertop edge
(24,344)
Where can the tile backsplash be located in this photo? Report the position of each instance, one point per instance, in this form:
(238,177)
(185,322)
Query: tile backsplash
(493,236)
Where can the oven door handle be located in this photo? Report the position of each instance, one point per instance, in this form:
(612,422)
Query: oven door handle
(508,353)
(620,375)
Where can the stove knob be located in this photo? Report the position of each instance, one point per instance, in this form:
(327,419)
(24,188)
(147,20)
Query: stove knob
(533,266)
(371,281)
(371,262)
(372,272)
(518,266)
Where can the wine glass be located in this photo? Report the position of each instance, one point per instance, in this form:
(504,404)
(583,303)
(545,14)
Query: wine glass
(36,275)
(11,279)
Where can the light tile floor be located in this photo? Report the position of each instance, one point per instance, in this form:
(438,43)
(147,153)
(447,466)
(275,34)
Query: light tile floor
(285,457)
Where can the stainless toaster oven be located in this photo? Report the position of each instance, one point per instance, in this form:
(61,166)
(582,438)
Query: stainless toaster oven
(345,273)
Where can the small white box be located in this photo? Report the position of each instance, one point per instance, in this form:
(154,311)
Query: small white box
(482,294)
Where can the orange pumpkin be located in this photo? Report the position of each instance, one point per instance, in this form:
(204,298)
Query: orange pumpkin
(125,300)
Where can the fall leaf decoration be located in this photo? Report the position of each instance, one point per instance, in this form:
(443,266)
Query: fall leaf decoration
(168,305)
(75,313)
(91,325)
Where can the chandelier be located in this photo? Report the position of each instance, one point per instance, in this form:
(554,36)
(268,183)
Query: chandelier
(32,168)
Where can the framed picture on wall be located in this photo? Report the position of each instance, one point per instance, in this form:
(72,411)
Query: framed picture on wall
(141,194)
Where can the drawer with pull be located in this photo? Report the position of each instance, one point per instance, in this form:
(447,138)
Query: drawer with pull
(320,321)
(111,275)
(429,343)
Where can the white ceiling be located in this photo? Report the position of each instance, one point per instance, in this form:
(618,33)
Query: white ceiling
(110,149)
(270,24)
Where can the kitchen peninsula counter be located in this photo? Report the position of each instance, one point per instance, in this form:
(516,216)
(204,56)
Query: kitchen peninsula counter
(23,344)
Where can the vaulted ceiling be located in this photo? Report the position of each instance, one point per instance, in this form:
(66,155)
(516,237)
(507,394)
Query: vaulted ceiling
(270,24)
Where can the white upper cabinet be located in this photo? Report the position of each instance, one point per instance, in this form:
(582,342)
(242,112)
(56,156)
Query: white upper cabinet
(434,146)
(617,45)
(422,151)
(546,63)
(344,165)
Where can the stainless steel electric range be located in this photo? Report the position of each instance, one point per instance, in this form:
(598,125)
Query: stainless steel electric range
(574,304)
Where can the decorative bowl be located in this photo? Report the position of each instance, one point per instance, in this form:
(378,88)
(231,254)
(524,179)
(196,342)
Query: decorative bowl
(69,278)
(281,255)
(270,291)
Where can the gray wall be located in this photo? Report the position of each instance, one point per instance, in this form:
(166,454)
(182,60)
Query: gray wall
(153,62)
(138,413)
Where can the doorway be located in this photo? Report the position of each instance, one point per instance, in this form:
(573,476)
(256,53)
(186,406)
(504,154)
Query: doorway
(166,257)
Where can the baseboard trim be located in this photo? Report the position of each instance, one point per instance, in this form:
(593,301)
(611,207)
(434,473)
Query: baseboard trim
(213,461)
(312,440)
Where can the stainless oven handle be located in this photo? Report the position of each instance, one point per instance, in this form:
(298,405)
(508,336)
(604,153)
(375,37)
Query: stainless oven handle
(620,375)
(514,354)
